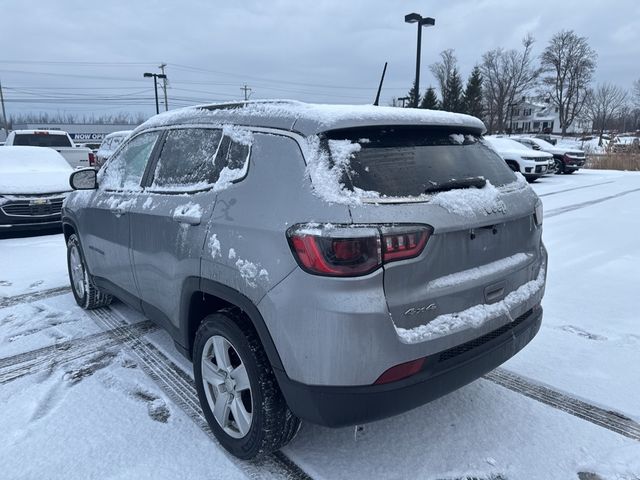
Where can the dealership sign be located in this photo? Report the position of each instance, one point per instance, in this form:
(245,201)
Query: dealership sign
(86,137)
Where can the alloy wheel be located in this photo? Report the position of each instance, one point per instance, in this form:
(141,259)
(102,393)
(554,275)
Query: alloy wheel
(227,387)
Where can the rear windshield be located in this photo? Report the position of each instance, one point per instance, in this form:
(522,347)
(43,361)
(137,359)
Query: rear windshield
(41,140)
(402,161)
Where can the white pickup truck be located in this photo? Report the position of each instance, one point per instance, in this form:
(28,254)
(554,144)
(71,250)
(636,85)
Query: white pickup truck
(58,140)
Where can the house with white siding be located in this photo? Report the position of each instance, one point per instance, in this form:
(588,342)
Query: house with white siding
(531,115)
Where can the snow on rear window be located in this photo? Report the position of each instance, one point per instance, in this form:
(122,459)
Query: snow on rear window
(328,170)
(452,170)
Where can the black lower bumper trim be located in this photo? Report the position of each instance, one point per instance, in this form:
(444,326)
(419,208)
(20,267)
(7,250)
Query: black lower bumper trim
(343,406)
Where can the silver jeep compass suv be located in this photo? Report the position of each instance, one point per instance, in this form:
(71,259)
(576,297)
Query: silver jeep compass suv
(335,264)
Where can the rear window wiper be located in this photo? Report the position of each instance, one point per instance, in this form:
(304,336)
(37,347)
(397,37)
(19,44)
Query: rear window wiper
(468,182)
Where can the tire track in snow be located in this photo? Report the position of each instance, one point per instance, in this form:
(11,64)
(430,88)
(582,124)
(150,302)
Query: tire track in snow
(570,208)
(48,358)
(180,388)
(33,296)
(575,188)
(608,419)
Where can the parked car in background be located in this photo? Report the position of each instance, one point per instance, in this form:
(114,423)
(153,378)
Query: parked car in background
(56,139)
(91,146)
(109,145)
(396,259)
(566,160)
(531,163)
(33,184)
(547,138)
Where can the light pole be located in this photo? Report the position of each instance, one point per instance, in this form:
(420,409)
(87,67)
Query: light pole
(422,22)
(155,76)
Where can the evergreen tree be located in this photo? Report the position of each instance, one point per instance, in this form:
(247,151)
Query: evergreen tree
(472,101)
(452,95)
(430,100)
(414,96)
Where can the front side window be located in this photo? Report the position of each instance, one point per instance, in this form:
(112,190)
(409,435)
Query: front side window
(187,159)
(124,171)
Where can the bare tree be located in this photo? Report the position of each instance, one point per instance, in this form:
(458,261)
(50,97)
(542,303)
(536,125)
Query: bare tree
(569,62)
(508,74)
(604,103)
(443,70)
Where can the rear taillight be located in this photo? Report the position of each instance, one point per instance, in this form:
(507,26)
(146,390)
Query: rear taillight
(353,250)
(400,243)
(92,159)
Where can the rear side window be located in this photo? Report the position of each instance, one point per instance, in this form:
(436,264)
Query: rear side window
(42,139)
(187,159)
(406,161)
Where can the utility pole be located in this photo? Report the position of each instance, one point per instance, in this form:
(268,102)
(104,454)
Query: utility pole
(164,86)
(4,113)
(246,91)
(155,85)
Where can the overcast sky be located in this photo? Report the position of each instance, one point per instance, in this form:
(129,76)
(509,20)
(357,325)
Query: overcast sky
(78,57)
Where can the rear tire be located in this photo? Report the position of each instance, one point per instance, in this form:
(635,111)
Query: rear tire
(559,167)
(230,336)
(87,295)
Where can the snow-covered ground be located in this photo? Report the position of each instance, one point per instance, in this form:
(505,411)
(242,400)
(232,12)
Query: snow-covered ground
(89,404)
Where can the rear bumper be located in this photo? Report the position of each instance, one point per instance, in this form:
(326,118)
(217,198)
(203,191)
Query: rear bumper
(442,373)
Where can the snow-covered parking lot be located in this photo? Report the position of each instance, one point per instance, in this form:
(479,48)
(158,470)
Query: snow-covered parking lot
(106,395)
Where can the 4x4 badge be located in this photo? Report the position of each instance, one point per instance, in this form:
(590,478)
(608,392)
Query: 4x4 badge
(417,310)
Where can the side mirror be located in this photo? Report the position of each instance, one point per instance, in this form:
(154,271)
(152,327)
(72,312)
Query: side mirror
(85,179)
(535,146)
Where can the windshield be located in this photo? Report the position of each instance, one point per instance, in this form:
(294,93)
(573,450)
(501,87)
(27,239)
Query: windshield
(402,161)
(41,139)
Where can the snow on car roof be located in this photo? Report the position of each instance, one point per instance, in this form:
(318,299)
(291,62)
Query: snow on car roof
(309,118)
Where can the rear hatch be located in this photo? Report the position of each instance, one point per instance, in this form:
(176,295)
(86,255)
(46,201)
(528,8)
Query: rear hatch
(485,241)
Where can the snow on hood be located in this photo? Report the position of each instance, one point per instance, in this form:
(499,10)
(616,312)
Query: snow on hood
(507,147)
(25,170)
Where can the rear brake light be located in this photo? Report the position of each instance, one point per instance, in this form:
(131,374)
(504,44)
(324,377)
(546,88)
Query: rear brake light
(92,159)
(353,250)
(401,371)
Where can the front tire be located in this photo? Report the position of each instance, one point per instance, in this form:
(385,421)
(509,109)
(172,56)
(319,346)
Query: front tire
(238,391)
(87,295)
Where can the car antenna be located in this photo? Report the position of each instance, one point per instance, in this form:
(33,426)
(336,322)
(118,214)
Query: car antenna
(377,100)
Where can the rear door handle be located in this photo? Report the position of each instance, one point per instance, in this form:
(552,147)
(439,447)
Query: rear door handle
(188,218)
